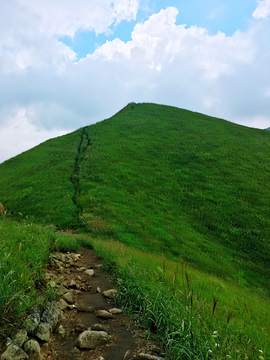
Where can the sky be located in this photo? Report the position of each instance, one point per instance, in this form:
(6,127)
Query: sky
(65,64)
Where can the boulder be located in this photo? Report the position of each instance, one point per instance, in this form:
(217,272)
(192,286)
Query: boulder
(13,352)
(91,339)
(32,349)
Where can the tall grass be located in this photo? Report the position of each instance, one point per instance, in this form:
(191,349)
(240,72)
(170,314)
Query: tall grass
(195,315)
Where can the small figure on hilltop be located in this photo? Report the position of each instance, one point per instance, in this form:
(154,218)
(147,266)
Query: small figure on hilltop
(2,210)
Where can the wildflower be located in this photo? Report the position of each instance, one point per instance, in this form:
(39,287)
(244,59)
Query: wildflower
(210,351)
(216,345)
(215,332)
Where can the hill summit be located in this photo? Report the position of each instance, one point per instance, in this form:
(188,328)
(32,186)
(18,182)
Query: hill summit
(159,179)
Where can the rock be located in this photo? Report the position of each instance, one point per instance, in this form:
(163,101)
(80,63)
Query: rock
(104,314)
(69,297)
(99,327)
(143,356)
(61,331)
(13,352)
(89,272)
(31,323)
(51,314)
(72,284)
(20,338)
(32,349)
(62,304)
(98,289)
(109,293)
(62,290)
(81,269)
(91,339)
(43,331)
(75,257)
(115,311)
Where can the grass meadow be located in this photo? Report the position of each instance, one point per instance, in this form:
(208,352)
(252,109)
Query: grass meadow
(176,202)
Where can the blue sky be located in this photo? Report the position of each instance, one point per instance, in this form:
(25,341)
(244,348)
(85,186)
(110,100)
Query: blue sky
(68,64)
(214,15)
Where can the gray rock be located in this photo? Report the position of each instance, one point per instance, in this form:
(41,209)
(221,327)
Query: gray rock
(20,338)
(32,349)
(91,339)
(51,314)
(69,297)
(32,322)
(103,314)
(89,272)
(13,352)
(43,331)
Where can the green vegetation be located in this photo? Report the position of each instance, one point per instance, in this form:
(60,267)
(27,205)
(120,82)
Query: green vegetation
(164,182)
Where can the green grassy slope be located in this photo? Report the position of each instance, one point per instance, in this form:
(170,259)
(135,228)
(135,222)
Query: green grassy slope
(160,179)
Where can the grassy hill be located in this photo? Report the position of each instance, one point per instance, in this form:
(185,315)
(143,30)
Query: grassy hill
(161,180)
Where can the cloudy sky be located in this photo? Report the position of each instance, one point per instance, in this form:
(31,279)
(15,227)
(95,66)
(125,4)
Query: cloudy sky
(70,63)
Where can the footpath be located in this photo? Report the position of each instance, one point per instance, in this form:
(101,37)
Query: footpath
(84,322)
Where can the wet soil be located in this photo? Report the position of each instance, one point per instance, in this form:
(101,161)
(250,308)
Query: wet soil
(127,340)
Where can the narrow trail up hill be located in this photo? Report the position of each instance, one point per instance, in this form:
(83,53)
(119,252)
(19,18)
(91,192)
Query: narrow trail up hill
(87,283)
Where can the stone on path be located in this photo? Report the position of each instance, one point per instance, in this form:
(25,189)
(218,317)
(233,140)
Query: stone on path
(68,297)
(89,272)
(109,293)
(143,356)
(104,314)
(91,339)
(115,311)
(13,352)
(62,304)
(32,349)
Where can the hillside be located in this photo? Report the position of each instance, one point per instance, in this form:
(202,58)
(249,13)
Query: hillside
(185,200)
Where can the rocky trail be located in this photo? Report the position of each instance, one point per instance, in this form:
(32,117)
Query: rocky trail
(84,322)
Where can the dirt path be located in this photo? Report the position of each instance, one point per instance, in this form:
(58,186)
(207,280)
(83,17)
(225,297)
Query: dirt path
(126,340)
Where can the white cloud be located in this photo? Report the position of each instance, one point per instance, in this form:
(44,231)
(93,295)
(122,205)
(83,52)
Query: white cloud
(263,9)
(18,134)
(161,40)
(223,76)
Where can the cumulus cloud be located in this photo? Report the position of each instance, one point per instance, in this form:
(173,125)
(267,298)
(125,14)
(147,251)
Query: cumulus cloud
(263,9)
(46,90)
